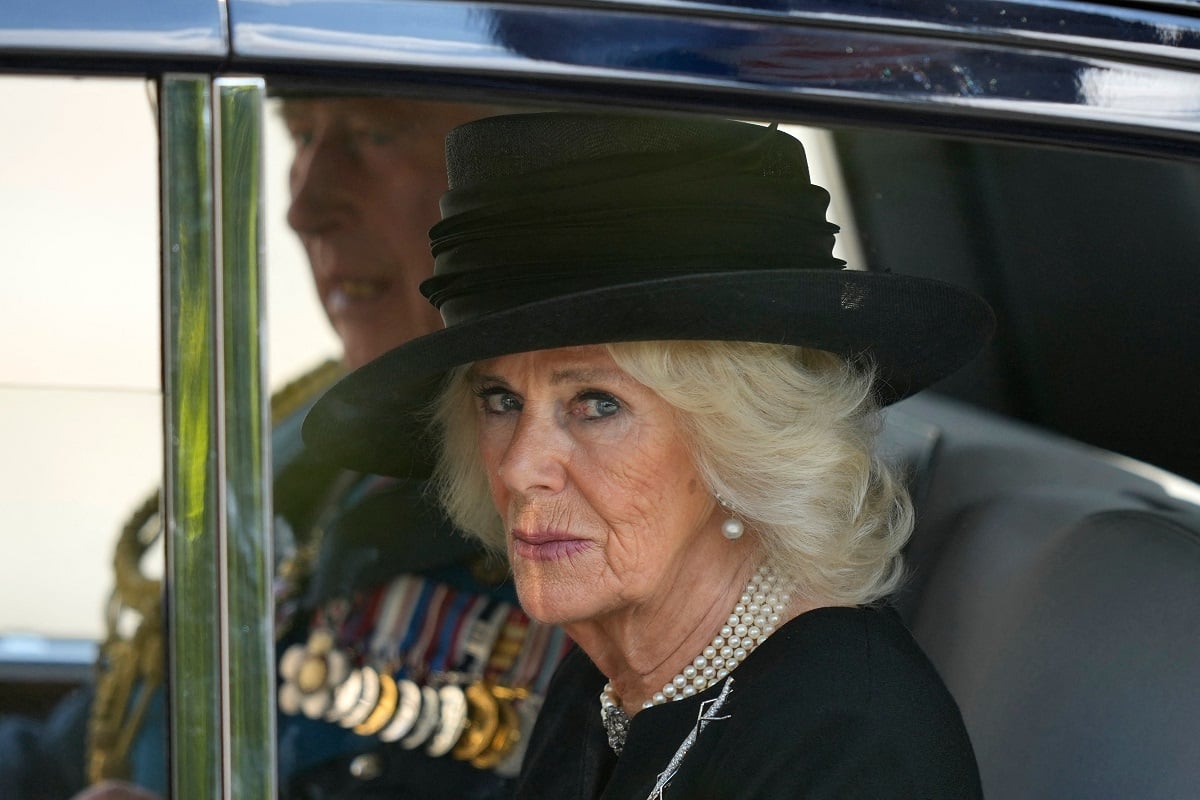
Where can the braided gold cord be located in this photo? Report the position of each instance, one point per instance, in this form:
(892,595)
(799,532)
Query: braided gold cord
(124,660)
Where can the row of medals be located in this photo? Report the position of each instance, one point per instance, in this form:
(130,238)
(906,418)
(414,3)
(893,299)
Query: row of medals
(476,722)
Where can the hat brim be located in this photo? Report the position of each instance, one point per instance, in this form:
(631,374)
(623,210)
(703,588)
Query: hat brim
(915,331)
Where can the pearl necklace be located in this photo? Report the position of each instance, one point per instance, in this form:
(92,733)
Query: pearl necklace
(753,619)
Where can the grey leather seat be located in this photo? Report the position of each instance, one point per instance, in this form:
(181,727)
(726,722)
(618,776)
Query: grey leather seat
(1058,593)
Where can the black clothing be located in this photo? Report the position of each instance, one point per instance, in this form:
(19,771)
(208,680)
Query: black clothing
(838,703)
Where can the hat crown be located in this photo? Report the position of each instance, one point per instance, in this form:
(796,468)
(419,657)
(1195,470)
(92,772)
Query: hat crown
(506,148)
(550,204)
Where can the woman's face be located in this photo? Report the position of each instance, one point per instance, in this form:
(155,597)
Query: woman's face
(591,475)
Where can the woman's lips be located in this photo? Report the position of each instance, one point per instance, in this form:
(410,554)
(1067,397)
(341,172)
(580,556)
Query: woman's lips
(546,546)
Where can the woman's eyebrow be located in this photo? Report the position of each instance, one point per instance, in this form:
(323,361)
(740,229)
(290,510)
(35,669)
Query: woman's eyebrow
(483,377)
(564,375)
(585,375)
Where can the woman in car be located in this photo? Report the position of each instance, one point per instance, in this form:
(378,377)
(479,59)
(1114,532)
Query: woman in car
(658,393)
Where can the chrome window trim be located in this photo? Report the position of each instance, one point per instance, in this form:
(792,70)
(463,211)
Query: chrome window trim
(897,74)
(976,67)
(1167,30)
(191,496)
(116,34)
(217,500)
(247,631)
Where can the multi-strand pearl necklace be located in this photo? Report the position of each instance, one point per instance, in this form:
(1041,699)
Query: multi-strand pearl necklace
(754,618)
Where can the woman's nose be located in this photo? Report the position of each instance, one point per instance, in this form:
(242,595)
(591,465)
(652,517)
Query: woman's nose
(536,457)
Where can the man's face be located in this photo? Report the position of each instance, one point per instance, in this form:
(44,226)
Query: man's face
(365,181)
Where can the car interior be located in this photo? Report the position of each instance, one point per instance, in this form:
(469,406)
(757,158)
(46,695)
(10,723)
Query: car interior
(1054,582)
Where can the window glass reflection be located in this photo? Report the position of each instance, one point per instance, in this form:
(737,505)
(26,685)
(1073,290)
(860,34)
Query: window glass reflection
(80,405)
(79,373)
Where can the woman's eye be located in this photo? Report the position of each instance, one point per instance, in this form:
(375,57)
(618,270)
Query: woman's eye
(597,405)
(498,401)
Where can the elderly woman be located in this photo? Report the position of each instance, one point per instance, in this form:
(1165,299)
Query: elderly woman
(657,394)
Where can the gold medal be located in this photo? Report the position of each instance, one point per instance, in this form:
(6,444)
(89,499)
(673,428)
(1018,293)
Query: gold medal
(508,732)
(483,718)
(384,709)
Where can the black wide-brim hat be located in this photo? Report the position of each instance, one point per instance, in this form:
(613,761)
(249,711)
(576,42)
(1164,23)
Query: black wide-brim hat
(565,229)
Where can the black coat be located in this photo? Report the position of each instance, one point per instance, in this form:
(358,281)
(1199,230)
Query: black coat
(838,703)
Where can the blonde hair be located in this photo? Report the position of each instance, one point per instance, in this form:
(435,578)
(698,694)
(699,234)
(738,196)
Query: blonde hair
(785,435)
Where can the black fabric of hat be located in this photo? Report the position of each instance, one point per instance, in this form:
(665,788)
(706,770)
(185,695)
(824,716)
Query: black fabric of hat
(564,229)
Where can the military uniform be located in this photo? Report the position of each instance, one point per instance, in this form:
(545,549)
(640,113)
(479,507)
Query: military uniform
(406,667)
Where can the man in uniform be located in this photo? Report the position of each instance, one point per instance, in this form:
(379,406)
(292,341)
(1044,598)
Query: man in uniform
(407,668)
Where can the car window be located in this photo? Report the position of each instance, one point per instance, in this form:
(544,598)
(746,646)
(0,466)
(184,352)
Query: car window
(80,397)
(80,322)
(79,370)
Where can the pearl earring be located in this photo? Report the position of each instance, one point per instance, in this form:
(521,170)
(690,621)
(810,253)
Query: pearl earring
(732,528)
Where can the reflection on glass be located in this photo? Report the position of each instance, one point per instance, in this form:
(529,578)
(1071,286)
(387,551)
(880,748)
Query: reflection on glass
(79,316)
(80,406)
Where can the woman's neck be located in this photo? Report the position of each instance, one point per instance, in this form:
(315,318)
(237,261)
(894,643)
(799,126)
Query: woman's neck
(643,646)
